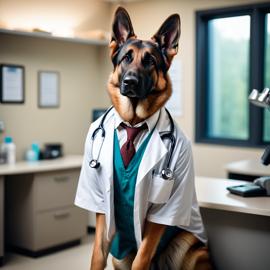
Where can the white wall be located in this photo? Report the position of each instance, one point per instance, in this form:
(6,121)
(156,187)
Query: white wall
(55,14)
(80,92)
(83,71)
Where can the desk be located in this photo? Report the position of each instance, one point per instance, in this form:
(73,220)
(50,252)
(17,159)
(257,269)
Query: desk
(32,181)
(246,170)
(238,228)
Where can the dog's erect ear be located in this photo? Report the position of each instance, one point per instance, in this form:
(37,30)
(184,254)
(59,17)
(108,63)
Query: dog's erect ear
(122,29)
(167,37)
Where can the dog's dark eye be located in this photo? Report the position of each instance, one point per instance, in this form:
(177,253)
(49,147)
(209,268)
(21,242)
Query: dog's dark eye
(148,60)
(128,57)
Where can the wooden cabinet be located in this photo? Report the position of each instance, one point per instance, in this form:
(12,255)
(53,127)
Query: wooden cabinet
(54,190)
(40,211)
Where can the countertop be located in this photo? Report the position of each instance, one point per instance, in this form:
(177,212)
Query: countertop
(212,194)
(21,167)
(248,167)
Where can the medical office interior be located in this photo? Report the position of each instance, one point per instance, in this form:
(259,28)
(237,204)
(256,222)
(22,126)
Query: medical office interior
(55,62)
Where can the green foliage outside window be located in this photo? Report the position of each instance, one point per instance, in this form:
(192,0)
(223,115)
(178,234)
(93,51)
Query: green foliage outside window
(229,40)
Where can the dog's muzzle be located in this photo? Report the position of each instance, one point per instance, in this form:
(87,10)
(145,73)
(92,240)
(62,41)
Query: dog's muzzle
(129,86)
(136,85)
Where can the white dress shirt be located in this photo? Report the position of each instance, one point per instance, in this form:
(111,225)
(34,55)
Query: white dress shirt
(122,134)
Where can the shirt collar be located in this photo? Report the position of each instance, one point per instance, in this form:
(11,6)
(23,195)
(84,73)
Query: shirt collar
(150,122)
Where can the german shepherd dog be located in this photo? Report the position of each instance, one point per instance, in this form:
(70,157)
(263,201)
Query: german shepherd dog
(139,84)
(138,87)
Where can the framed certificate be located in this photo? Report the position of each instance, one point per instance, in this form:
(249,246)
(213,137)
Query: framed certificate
(11,83)
(49,92)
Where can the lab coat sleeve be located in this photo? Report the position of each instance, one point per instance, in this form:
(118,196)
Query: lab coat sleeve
(89,192)
(177,210)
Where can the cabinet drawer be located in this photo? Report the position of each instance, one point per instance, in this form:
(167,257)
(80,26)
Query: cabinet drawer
(59,226)
(55,189)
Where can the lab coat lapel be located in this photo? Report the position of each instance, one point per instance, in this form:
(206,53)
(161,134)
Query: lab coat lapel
(106,155)
(106,170)
(154,152)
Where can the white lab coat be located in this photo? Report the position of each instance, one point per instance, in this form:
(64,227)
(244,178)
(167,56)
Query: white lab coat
(161,201)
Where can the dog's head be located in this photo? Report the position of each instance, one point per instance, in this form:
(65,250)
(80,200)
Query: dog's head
(139,84)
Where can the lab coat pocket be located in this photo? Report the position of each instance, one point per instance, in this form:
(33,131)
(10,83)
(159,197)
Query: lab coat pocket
(160,189)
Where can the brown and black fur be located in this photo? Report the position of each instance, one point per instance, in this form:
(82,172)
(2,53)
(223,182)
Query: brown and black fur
(138,87)
(147,62)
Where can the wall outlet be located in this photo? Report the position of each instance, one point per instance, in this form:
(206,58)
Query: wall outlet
(2,126)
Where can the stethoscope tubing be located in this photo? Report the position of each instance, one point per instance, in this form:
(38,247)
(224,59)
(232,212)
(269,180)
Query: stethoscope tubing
(101,126)
(169,135)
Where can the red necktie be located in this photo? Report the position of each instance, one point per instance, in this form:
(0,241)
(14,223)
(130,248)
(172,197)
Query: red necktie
(128,149)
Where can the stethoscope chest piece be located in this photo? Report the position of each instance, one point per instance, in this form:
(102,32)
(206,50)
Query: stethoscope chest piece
(94,164)
(167,174)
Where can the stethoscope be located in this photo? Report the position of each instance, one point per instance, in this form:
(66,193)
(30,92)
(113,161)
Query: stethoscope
(166,172)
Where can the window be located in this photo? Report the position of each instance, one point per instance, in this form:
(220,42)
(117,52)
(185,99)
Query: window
(232,58)
(228,60)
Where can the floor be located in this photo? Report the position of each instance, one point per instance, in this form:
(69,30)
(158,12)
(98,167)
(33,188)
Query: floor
(69,259)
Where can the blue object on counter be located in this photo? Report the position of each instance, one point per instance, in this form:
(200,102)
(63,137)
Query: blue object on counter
(32,154)
(8,139)
(36,149)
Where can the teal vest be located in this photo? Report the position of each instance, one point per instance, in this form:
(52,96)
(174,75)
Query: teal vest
(124,240)
(124,181)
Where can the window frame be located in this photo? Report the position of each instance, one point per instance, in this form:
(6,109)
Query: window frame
(257,13)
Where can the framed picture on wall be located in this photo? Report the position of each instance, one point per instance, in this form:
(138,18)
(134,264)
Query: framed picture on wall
(11,83)
(49,89)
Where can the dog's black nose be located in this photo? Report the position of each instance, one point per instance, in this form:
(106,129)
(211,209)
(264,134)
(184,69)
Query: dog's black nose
(130,86)
(131,82)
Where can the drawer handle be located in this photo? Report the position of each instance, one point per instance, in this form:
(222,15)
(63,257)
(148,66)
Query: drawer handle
(61,178)
(64,214)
